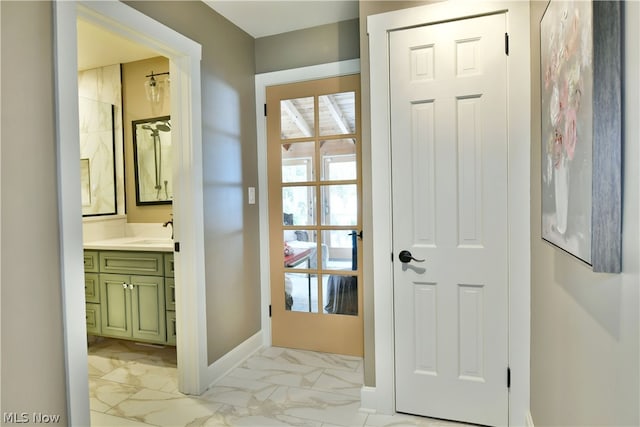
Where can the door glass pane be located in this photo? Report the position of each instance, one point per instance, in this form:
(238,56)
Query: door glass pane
(338,160)
(340,294)
(337,113)
(300,249)
(301,292)
(298,162)
(297,118)
(341,250)
(339,204)
(298,205)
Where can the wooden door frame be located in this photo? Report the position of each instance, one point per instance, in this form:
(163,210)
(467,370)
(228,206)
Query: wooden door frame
(314,72)
(381,398)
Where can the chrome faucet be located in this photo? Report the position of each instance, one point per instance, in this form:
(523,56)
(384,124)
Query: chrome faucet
(170,222)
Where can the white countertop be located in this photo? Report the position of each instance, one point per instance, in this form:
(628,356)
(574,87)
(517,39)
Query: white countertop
(152,244)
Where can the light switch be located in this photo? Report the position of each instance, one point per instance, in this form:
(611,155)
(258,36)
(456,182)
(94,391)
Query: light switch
(251,193)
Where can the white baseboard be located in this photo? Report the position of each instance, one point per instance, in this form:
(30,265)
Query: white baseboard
(529,420)
(368,402)
(232,359)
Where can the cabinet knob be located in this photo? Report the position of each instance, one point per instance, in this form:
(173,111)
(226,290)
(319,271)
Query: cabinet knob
(130,286)
(124,285)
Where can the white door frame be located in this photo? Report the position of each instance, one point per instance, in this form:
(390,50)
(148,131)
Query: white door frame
(382,397)
(184,55)
(314,72)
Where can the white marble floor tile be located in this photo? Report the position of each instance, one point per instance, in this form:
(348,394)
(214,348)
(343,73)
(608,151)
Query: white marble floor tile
(261,416)
(165,409)
(133,385)
(404,420)
(240,392)
(320,406)
(145,376)
(100,365)
(103,395)
(279,374)
(345,382)
(98,419)
(320,360)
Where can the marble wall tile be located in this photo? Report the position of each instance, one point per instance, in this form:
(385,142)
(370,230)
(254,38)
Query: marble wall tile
(104,85)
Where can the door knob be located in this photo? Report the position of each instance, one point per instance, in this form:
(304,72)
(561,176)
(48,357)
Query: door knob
(405,256)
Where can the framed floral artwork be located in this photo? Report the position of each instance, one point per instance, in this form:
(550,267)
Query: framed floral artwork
(580,48)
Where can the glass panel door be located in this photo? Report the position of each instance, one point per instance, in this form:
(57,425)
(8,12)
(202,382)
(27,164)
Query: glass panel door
(315,214)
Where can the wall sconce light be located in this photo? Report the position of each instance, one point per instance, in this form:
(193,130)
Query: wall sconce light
(153,88)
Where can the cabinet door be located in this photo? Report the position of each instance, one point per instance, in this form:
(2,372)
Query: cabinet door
(115,305)
(170,290)
(91,287)
(148,308)
(168,265)
(171,327)
(92,316)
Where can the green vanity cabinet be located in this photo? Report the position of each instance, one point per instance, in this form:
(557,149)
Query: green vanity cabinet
(170,298)
(127,297)
(133,307)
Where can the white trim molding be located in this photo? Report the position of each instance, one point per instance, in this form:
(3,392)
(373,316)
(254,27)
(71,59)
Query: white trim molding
(184,55)
(263,81)
(529,420)
(519,134)
(233,358)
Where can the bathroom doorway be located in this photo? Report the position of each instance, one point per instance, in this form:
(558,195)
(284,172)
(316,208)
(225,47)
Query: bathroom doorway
(184,57)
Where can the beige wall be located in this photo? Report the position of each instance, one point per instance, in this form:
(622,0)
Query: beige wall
(33,366)
(311,46)
(229,167)
(585,328)
(136,107)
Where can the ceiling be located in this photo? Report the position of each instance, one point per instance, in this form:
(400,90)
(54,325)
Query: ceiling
(98,47)
(259,18)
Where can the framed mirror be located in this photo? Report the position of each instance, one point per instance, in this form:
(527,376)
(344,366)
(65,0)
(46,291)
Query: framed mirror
(152,161)
(97,157)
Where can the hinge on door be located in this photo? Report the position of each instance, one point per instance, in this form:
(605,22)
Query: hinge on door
(176,246)
(508,377)
(269,310)
(391,256)
(265,110)
(506,45)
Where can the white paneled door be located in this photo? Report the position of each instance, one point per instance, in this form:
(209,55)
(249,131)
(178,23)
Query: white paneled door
(449,169)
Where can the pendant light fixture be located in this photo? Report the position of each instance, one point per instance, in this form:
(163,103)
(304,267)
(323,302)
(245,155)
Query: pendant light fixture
(154,88)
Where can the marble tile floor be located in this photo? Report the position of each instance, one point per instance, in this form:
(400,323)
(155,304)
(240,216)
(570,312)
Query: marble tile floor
(136,385)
